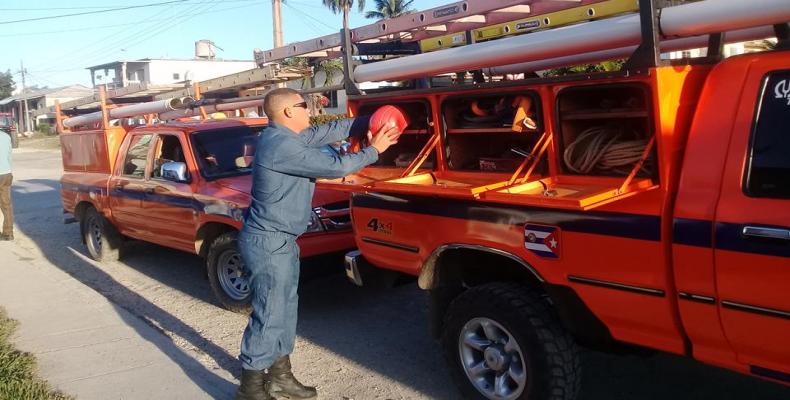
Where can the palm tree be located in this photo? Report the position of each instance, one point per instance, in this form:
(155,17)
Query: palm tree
(344,6)
(389,9)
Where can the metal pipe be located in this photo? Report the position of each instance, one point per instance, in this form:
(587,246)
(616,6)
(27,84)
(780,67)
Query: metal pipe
(741,35)
(322,89)
(191,112)
(709,16)
(153,107)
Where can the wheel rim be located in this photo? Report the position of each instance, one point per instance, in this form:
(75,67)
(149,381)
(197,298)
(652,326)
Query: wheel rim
(94,235)
(492,359)
(232,278)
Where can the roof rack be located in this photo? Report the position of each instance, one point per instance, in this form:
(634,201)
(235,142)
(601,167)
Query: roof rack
(221,87)
(459,35)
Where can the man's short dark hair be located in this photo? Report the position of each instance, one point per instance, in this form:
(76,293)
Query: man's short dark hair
(271,105)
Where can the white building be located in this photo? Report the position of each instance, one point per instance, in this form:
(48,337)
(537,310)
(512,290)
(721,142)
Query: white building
(158,71)
(38,101)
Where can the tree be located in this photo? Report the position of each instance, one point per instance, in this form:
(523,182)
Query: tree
(7,85)
(614,65)
(338,6)
(389,9)
(344,6)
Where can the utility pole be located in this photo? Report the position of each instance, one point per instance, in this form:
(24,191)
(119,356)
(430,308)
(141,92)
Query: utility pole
(278,27)
(24,100)
(278,22)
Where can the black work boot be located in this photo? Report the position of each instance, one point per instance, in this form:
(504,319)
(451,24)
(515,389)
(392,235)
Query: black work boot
(281,382)
(252,386)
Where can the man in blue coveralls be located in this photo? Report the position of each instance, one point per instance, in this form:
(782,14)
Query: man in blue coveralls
(288,159)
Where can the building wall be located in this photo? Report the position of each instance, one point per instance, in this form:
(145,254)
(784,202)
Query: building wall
(162,71)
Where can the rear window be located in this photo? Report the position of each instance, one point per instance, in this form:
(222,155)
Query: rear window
(225,152)
(6,121)
(768,167)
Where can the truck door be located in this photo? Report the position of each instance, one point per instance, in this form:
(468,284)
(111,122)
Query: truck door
(127,186)
(168,201)
(752,229)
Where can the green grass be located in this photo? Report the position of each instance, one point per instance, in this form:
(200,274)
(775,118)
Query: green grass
(17,370)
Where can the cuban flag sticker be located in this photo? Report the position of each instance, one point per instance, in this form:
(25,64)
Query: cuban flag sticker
(543,240)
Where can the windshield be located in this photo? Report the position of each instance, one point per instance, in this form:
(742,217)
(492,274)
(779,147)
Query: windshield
(226,152)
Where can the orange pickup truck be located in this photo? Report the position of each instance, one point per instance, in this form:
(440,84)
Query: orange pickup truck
(184,186)
(648,209)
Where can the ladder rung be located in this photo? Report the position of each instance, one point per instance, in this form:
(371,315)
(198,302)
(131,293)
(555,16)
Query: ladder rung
(592,10)
(437,16)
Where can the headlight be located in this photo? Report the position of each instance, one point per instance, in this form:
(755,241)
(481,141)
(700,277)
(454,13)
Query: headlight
(315,224)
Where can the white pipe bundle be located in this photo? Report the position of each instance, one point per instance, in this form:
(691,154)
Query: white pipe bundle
(709,16)
(153,107)
(189,112)
(741,35)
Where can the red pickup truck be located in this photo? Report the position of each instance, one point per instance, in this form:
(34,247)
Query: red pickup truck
(182,185)
(684,249)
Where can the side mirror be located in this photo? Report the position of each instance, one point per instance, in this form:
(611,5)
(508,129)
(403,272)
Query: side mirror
(175,171)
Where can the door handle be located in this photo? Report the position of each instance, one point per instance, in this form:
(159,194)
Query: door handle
(119,186)
(763,232)
(150,190)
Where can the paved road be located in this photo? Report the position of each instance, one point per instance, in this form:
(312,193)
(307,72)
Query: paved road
(353,343)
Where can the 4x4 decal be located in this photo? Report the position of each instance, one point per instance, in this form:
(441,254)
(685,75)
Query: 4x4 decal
(380,227)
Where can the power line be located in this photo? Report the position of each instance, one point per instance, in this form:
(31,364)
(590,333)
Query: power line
(176,19)
(93,49)
(76,30)
(55,8)
(305,14)
(99,27)
(307,22)
(92,12)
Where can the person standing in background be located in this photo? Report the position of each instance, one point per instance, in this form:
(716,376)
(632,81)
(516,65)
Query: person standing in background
(5,186)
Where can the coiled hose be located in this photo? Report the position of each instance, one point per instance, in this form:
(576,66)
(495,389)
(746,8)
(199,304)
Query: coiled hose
(606,150)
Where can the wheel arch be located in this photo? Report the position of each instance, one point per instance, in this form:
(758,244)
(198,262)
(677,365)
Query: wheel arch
(453,268)
(79,211)
(435,269)
(207,233)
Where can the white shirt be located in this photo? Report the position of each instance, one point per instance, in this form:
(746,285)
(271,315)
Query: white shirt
(5,153)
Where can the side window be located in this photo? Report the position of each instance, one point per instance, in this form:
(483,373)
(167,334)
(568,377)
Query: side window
(768,165)
(168,149)
(136,157)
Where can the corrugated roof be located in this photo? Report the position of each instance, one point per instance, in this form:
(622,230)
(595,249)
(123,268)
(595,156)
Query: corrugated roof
(63,91)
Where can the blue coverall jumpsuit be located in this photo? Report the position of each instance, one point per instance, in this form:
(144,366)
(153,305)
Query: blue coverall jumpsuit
(285,168)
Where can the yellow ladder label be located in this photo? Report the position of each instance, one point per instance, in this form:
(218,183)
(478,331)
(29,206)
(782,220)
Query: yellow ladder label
(555,19)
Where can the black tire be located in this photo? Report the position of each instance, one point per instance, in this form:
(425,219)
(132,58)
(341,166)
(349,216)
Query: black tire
(102,239)
(546,358)
(224,259)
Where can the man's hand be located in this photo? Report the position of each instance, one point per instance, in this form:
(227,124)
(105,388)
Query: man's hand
(386,137)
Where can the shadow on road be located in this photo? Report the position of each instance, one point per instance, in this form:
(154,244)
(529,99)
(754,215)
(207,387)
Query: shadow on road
(58,254)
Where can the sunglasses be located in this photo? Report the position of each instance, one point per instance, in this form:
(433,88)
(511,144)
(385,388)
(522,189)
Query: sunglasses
(301,105)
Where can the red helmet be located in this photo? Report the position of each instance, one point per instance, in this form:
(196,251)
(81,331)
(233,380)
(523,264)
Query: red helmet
(386,115)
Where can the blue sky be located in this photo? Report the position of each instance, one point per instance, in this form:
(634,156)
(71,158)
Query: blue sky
(57,51)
